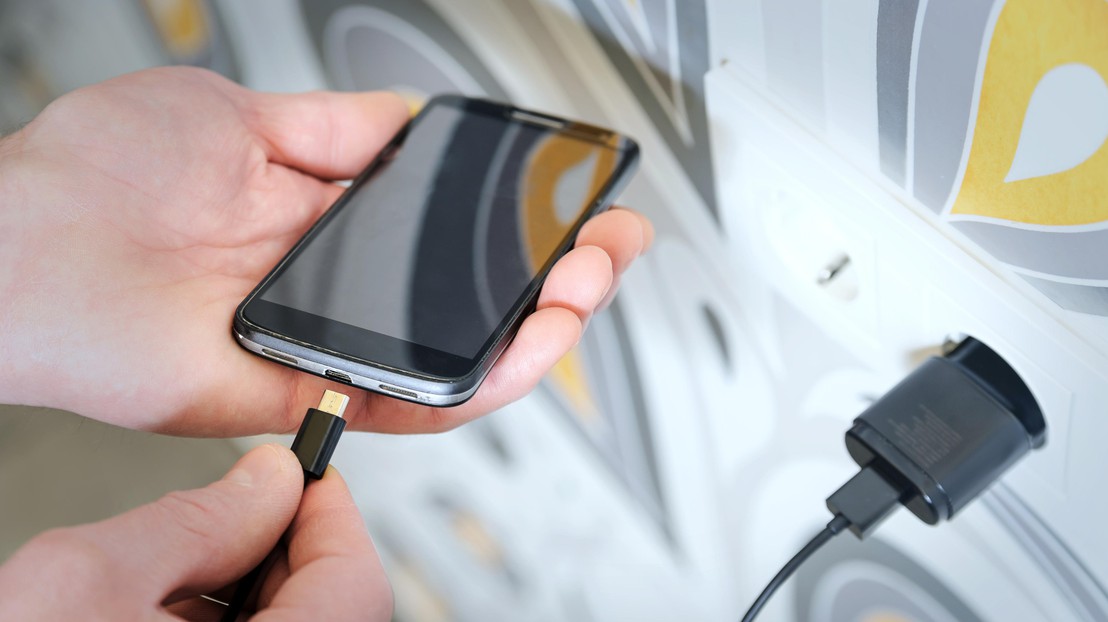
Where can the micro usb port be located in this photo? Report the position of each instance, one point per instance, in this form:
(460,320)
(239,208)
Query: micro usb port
(337,375)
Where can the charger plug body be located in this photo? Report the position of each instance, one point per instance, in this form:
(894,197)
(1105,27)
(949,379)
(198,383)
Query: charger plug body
(946,432)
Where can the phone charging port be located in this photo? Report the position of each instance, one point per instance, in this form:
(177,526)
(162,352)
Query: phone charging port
(337,375)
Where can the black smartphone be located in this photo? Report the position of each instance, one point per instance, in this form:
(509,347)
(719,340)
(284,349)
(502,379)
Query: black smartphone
(416,279)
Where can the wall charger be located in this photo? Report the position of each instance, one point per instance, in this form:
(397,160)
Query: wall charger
(932,443)
(939,438)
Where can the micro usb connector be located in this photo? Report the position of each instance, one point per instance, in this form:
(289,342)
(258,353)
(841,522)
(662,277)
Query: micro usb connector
(314,444)
(318,436)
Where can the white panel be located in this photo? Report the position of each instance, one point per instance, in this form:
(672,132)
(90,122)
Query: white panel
(735,33)
(923,286)
(850,82)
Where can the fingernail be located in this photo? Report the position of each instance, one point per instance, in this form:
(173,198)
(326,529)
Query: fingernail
(256,467)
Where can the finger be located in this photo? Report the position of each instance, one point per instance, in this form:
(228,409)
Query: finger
(610,296)
(329,135)
(334,571)
(578,281)
(292,203)
(646,223)
(193,542)
(274,580)
(543,339)
(616,234)
(619,232)
(278,214)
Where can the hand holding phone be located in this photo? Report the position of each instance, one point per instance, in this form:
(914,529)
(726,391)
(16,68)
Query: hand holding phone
(418,278)
(126,270)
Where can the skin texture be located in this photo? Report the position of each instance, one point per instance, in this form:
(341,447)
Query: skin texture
(134,216)
(199,542)
(138,213)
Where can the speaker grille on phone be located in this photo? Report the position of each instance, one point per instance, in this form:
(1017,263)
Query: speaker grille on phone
(280,356)
(527,117)
(405,392)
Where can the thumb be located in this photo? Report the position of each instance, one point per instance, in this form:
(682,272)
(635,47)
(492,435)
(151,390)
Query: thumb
(196,541)
(328,135)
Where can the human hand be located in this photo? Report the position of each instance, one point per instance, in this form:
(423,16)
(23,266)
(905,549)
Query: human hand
(154,562)
(137,213)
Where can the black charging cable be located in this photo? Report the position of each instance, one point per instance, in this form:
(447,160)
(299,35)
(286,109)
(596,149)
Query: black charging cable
(832,529)
(314,444)
(863,502)
(933,443)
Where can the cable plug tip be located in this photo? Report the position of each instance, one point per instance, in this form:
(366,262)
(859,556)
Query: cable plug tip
(333,403)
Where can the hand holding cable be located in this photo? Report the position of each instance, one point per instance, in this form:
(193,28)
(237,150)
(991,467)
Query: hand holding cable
(157,560)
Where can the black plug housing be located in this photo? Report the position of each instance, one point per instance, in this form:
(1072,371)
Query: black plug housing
(940,437)
(316,440)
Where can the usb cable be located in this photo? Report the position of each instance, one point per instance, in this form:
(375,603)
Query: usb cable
(314,444)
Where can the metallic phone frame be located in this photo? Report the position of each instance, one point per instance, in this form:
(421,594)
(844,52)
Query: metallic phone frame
(396,384)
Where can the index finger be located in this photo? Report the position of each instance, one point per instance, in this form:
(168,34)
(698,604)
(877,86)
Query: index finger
(334,571)
(623,233)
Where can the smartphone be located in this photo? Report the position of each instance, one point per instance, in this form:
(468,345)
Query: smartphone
(417,278)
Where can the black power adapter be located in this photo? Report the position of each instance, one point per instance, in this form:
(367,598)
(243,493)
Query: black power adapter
(933,443)
(939,438)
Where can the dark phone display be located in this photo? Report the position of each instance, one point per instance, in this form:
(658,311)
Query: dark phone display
(438,246)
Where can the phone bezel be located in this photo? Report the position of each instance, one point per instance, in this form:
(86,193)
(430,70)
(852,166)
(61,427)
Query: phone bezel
(435,375)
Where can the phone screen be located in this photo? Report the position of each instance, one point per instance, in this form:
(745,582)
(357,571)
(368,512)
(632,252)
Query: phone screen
(439,243)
